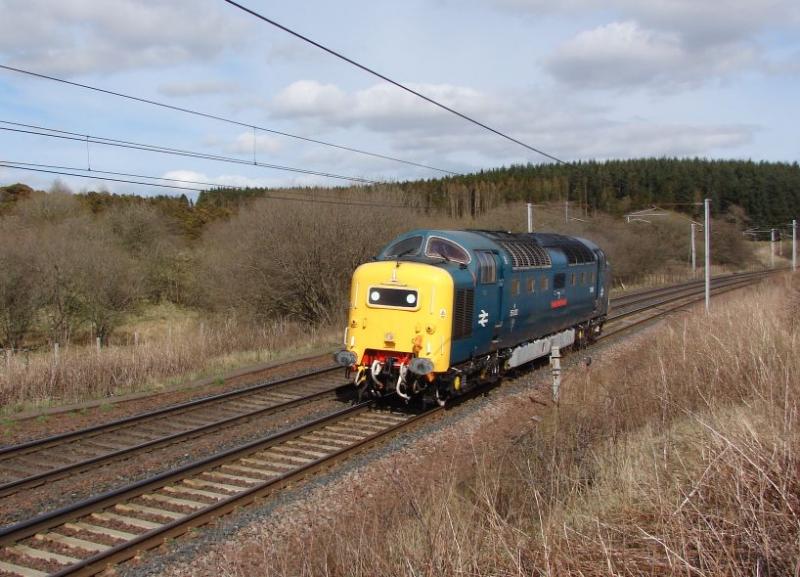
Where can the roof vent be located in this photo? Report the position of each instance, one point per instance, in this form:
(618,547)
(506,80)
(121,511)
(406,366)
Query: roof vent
(526,254)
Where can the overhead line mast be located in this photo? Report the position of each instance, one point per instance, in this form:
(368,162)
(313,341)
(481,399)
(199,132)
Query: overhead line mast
(394,82)
(223,119)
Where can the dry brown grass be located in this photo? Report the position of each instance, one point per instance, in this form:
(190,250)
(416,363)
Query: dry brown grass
(166,353)
(681,458)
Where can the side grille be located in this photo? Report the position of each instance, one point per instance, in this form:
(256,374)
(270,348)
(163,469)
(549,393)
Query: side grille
(463,310)
(526,254)
(577,253)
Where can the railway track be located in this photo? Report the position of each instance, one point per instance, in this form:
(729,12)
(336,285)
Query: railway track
(620,321)
(84,538)
(638,297)
(641,301)
(36,462)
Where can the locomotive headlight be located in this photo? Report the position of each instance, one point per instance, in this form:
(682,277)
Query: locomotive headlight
(393,298)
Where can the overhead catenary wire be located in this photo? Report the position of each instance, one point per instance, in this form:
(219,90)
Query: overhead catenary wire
(113,173)
(210,185)
(73,136)
(394,82)
(74,171)
(223,119)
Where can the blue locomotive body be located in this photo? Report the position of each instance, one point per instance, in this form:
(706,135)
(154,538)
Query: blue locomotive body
(512,296)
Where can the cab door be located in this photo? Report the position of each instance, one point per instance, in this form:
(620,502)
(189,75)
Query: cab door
(501,289)
(488,301)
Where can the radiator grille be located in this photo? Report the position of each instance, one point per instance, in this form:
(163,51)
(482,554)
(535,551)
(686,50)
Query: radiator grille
(526,254)
(575,251)
(462,313)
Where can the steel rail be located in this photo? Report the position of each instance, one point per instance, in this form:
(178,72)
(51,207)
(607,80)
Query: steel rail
(153,418)
(683,293)
(696,297)
(38,443)
(634,297)
(382,425)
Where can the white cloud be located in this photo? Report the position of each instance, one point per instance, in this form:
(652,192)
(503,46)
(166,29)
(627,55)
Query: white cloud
(638,138)
(621,55)
(717,22)
(559,123)
(241,181)
(308,98)
(84,36)
(708,22)
(585,137)
(191,177)
(662,43)
(381,107)
(244,144)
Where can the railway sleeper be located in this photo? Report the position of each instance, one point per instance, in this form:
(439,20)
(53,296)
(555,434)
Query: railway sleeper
(100,530)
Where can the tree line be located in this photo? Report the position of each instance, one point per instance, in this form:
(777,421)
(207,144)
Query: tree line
(768,192)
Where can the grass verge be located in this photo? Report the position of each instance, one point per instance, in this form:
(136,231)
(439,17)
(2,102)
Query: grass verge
(163,357)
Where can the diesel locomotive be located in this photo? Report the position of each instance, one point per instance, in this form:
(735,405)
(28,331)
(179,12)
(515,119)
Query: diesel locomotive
(439,311)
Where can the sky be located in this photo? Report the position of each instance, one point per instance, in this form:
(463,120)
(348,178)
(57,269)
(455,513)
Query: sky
(578,79)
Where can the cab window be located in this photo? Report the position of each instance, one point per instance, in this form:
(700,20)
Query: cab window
(450,251)
(531,284)
(515,286)
(487,268)
(403,247)
(559,281)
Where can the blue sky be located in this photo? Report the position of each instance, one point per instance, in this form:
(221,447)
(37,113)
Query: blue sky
(579,79)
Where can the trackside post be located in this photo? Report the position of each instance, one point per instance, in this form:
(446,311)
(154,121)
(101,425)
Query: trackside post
(707,206)
(555,362)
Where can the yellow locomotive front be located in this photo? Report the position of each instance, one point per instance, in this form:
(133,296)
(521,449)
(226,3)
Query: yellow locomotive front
(398,332)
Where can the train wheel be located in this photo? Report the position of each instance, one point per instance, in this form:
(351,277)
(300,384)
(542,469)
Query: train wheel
(441,397)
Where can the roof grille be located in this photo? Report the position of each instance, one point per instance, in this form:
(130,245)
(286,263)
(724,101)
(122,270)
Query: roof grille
(532,250)
(526,254)
(575,251)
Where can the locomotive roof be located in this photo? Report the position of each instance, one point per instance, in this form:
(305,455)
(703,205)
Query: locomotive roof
(525,250)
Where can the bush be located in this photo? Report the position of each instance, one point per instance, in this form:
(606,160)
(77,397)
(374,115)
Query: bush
(153,242)
(292,260)
(19,290)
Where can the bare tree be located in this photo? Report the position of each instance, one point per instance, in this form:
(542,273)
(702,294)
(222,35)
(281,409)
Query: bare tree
(290,259)
(19,295)
(154,242)
(47,208)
